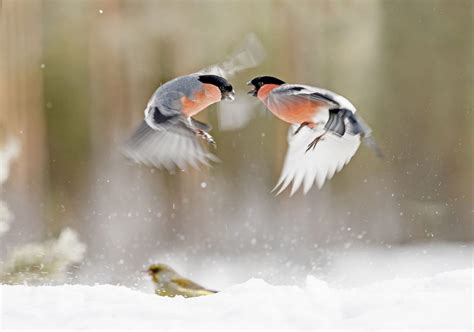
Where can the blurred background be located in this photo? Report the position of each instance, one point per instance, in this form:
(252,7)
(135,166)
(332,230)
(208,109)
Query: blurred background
(76,76)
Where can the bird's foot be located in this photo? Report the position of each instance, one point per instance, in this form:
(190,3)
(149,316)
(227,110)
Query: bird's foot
(205,136)
(304,124)
(313,144)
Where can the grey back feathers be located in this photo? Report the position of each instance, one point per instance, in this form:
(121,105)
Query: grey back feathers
(167,98)
(331,99)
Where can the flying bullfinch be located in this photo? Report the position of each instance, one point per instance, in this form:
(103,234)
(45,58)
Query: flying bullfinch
(325,131)
(169,136)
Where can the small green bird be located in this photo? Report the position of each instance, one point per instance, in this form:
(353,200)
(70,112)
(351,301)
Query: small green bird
(169,283)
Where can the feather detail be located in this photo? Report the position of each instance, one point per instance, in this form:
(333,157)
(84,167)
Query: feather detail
(316,165)
(176,146)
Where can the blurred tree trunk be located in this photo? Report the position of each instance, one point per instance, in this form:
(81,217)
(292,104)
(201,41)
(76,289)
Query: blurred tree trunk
(21,109)
(67,101)
(428,78)
(125,223)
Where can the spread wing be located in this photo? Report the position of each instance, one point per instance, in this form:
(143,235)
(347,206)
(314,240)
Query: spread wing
(318,164)
(293,94)
(173,146)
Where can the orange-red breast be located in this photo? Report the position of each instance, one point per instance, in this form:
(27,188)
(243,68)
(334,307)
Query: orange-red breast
(168,137)
(324,135)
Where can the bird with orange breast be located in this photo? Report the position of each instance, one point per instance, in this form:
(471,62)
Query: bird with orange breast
(325,132)
(169,136)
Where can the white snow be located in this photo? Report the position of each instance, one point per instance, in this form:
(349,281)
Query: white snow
(441,301)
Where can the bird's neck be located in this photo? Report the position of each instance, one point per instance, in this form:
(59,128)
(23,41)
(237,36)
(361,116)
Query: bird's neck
(265,90)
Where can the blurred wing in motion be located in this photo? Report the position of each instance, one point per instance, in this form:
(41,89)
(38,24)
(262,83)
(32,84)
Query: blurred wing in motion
(174,147)
(248,55)
(318,164)
(8,153)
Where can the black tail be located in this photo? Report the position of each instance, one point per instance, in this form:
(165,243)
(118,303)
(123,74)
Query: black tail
(355,125)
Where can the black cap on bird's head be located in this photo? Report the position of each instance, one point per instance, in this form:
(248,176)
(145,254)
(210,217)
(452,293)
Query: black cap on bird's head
(227,91)
(157,268)
(161,272)
(260,81)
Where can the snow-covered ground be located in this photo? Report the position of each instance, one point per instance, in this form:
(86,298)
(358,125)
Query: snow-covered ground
(441,301)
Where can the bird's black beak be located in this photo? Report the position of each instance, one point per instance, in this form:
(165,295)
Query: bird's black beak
(230,96)
(252,92)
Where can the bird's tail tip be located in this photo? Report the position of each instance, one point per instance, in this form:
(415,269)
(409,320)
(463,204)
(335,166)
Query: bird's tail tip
(372,144)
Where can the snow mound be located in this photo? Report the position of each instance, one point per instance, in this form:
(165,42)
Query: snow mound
(443,301)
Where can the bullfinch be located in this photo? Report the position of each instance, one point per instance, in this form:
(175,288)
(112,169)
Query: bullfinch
(169,137)
(325,130)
